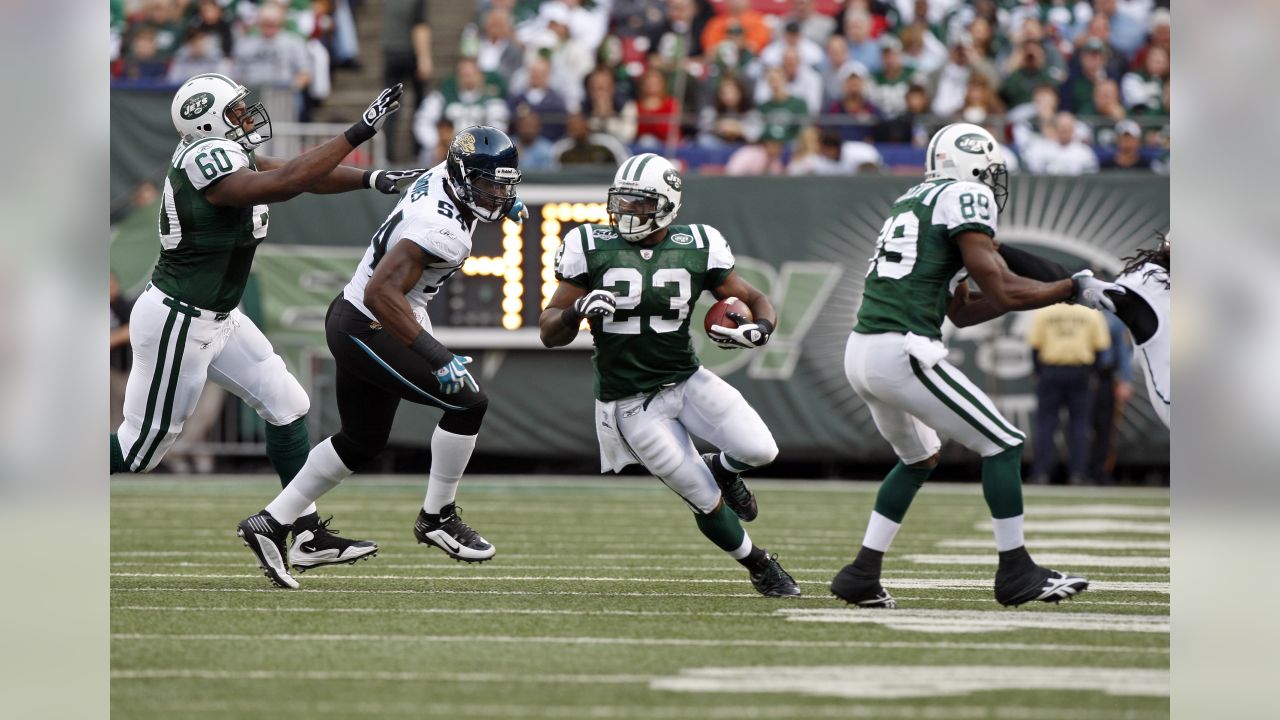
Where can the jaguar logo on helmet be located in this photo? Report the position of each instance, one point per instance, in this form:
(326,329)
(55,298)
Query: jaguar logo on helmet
(196,106)
(465,143)
(973,143)
(673,179)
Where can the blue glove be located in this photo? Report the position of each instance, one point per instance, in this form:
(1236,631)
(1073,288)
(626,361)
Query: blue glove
(455,376)
(518,212)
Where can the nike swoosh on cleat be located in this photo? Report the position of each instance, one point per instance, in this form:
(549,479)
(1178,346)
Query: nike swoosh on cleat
(449,547)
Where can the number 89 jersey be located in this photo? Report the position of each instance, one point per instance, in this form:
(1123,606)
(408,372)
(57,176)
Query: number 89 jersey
(646,343)
(427,216)
(909,281)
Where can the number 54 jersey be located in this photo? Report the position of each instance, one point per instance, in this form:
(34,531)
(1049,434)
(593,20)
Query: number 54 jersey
(427,216)
(917,261)
(646,343)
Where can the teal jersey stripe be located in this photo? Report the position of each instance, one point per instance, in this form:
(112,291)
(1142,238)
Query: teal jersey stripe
(946,400)
(167,415)
(162,351)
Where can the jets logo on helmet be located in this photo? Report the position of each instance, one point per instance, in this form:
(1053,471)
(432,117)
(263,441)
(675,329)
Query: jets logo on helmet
(198,105)
(962,151)
(644,197)
(973,143)
(483,168)
(231,117)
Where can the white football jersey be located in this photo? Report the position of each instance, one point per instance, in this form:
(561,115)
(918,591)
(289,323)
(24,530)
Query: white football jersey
(1151,283)
(426,215)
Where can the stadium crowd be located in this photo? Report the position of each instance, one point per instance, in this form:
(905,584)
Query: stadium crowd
(798,87)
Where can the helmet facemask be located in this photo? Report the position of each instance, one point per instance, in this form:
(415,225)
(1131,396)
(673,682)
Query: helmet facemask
(489,195)
(996,177)
(636,214)
(250,126)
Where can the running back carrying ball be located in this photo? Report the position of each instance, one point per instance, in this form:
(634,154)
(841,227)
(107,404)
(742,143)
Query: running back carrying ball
(722,314)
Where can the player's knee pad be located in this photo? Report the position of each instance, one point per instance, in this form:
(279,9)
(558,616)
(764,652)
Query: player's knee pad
(280,397)
(466,421)
(658,453)
(357,449)
(759,452)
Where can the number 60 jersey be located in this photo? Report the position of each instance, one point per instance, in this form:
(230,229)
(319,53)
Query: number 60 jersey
(428,217)
(917,260)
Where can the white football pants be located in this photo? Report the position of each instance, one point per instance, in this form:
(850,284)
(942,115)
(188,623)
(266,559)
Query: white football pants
(176,347)
(657,431)
(912,400)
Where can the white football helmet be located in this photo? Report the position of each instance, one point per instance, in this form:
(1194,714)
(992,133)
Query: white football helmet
(645,196)
(962,151)
(212,105)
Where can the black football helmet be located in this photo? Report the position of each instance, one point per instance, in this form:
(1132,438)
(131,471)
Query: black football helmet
(483,167)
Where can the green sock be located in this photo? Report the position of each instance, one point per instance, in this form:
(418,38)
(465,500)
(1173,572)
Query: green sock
(117,456)
(721,526)
(287,448)
(899,489)
(1002,483)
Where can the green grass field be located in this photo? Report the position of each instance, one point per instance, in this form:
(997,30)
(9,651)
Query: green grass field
(605,602)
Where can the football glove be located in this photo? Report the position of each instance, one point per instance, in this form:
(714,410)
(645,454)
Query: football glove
(387,102)
(746,335)
(1089,291)
(597,303)
(390,182)
(518,212)
(455,376)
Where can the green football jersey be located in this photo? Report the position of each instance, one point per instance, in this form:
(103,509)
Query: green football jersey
(646,343)
(917,262)
(206,249)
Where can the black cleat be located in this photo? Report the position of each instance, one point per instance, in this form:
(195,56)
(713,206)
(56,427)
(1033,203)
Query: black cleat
(861,589)
(320,545)
(772,581)
(448,532)
(736,494)
(1028,582)
(266,537)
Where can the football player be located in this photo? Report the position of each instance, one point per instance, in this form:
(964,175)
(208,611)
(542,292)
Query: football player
(380,336)
(636,281)
(186,329)
(1143,303)
(939,232)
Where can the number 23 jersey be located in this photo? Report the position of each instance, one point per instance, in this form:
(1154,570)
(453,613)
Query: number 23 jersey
(646,343)
(917,260)
(427,216)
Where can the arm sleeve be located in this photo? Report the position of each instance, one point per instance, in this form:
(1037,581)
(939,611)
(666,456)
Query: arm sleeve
(966,207)
(571,260)
(208,161)
(719,257)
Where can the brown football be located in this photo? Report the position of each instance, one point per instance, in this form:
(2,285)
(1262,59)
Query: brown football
(719,314)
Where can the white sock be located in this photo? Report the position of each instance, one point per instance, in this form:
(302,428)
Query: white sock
(744,549)
(321,473)
(1008,533)
(880,532)
(733,465)
(450,454)
(309,510)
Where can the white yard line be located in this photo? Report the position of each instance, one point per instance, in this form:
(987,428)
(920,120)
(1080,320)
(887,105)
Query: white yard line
(1087,527)
(1097,511)
(1057,544)
(971,621)
(447,611)
(1050,559)
(557,678)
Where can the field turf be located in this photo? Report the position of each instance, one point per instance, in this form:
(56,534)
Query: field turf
(604,601)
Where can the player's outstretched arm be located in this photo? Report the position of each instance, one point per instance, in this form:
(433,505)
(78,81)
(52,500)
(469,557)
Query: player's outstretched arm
(747,334)
(345,178)
(559,322)
(245,187)
(1002,290)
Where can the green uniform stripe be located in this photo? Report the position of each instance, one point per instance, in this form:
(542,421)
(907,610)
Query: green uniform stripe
(983,228)
(167,415)
(982,407)
(946,400)
(216,76)
(702,234)
(162,351)
(178,163)
(626,166)
(640,167)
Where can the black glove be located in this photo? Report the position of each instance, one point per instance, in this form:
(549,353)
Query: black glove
(390,181)
(387,102)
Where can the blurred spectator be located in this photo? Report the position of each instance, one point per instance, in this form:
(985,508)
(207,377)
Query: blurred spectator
(1144,91)
(911,126)
(1099,27)
(857,158)
(406,58)
(445,131)
(587,26)
(635,18)
(1160,36)
(783,114)
(121,352)
(858,116)
(857,33)
(1089,70)
(730,118)
(679,29)
(803,82)
(211,20)
(158,19)
(541,99)
(1060,151)
(534,147)
(753,25)
(988,45)
(142,60)
(657,113)
(815,154)
(889,91)
(1065,341)
(199,54)
(467,98)
(733,57)
(980,101)
(498,51)
(580,146)
(809,52)
(271,58)
(922,52)
(815,26)
(763,157)
(1032,31)
(570,58)
(606,110)
(1127,33)
(1106,101)
(949,85)
(1113,389)
(835,67)
(1128,154)
(1028,71)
